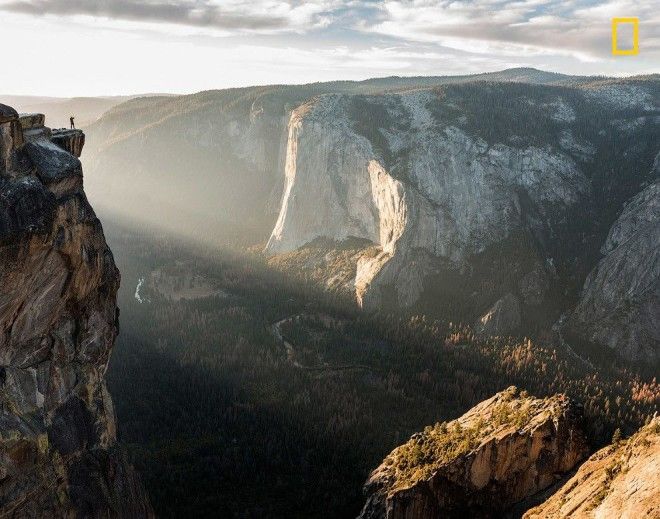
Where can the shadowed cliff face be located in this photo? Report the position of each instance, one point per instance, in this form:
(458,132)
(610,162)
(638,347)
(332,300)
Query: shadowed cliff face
(620,302)
(58,323)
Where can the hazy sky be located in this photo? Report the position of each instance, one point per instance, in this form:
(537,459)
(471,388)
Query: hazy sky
(108,47)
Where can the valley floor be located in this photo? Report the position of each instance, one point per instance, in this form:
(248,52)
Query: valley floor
(269,398)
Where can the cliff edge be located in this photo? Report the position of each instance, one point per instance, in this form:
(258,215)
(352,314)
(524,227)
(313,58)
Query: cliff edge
(58,324)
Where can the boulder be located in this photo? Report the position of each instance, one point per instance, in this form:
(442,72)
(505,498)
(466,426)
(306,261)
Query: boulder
(32,121)
(52,163)
(7,114)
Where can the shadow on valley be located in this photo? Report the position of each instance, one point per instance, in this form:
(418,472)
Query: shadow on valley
(227,415)
(206,447)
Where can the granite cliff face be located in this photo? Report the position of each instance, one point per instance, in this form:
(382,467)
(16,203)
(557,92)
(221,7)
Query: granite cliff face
(430,187)
(620,481)
(429,175)
(58,323)
(459,178)
(500,452)
(620,302)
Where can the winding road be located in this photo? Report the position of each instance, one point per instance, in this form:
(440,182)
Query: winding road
(276,330)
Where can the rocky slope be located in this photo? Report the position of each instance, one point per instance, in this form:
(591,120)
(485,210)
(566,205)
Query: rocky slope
(502,318)
(58,323)
(620,302)
(620,481)
(500,452)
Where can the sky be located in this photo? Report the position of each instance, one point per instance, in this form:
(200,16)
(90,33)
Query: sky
(118,47)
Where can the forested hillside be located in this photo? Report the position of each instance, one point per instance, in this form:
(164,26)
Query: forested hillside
(273,399)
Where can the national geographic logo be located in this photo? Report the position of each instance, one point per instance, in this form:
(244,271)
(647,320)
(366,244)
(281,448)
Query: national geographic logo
(622,23)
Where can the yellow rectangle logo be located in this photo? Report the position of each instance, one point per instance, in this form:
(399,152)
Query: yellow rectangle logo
(616,51)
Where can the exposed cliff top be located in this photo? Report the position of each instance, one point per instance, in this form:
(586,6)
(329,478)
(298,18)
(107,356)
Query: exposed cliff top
(71,140)
(501,451)
(507,412)
(620,480)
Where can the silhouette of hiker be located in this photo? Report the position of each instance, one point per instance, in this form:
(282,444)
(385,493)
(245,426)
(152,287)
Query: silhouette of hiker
(71,120)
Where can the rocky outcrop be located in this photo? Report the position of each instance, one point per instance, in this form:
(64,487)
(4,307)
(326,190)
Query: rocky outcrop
(620,302)
(502,318)
(58,323)
(70,140)
(500,452)
(326,263)
(619,481)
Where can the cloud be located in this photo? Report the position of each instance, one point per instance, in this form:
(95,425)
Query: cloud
(504,28)
(268,41)
(577,28)
(235,15)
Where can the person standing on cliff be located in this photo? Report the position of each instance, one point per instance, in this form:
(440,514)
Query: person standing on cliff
(71,121)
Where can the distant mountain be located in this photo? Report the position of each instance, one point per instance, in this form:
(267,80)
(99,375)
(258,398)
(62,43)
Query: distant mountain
(58,109)
(232,141)
(468,192)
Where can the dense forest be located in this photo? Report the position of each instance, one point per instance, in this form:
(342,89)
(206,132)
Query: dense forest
(272,399)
